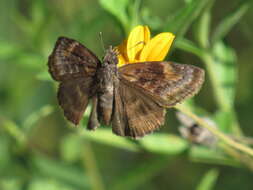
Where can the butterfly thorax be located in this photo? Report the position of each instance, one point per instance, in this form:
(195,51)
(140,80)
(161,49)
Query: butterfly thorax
(106,75)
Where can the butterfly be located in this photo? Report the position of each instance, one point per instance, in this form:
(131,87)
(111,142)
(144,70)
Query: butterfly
(196,134)
(131,98)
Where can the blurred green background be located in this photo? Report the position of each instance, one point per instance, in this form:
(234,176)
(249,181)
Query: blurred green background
(40,150)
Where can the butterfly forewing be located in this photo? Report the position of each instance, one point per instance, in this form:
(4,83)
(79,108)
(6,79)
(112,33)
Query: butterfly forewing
(71,59)
(166,83)
(74,66)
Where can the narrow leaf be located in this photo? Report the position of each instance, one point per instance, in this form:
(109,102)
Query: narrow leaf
(202,33)
(61,171)
(41,183)
(210,156)
(189,47)
(105,136)
(230,20)
(180,23)
(138,175)
(208,181)
(165,144)
(117,8)
(226,72)
(69,148)
(44,76)
(36,115)
(8,50)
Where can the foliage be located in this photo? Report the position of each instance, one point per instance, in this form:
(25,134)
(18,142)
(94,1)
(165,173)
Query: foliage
(38,150)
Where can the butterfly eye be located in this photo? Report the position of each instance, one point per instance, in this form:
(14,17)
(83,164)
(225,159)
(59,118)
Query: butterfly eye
(115,59)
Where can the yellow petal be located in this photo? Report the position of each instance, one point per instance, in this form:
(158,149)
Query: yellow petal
(146,35)
(122,50)
(121,61)
(138,37)
(157,48)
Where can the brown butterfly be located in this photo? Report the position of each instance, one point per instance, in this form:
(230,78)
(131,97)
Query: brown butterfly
(131,98)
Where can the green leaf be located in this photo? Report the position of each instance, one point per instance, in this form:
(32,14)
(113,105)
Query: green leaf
(69,148)
(134,13)
(139,174)
(165,144)
(118,8)
(208,181)
(222,69)
(31,61)
(11,183)
(189,46)
(8,50)
(227,122)
(23,23)
(13,130)
(224,120)
(105,136)
(202,33)
(5,155)
(44,76)
(225,72)
(158,143)
(230,20)
(206,155)
(47,184)
(36,115)
(180,22)
(151,20)
(34,25)
(61,171)
(38,12)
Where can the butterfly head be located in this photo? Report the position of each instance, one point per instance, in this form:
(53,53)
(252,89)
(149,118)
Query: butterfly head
(110,56)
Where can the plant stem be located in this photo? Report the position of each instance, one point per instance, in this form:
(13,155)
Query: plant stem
(227,140)
(245,159)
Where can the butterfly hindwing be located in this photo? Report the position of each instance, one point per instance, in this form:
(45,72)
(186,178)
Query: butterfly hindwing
(135,114)
(73,97)
(167,83)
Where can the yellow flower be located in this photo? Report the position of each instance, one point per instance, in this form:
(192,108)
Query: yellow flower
(139,47)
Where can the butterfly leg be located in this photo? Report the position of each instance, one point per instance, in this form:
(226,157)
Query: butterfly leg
(93,119)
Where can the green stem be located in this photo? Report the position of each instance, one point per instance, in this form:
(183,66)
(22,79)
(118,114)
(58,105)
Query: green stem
(204,28)
(135,9)
(227,140)
(245,159)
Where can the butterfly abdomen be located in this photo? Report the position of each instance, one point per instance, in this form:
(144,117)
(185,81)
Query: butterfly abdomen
(106,76)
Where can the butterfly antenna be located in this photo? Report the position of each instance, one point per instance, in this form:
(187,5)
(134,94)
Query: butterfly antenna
(102,41)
